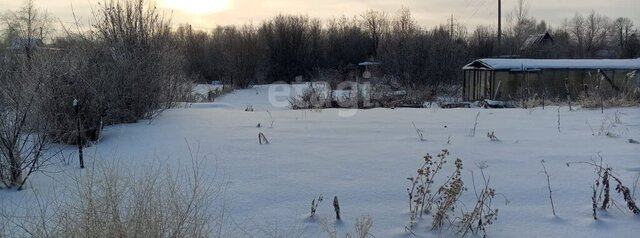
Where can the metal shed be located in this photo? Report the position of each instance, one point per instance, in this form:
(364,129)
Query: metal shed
(500,78)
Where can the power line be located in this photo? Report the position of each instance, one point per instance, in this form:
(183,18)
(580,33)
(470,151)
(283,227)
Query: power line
(466,4)
(484,3)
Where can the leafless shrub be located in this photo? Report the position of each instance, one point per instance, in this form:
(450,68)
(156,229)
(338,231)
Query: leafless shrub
(125,69)
(610,102)
(483,214)
(330,229)
(608,127)
(601,189)
(209,95)
(445,201)
(311,98)
(531,102)
(386,94)
(160,203)
(422,200)
(419,192)
(113,202)
(363,226)
(600,95)
(450,193)
(24,120)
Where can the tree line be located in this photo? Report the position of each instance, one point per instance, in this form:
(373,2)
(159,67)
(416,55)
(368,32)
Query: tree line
(287,46)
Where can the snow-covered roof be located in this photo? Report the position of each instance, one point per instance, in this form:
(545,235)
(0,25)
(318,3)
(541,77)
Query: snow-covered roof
(537,39)
(368,63)
(502,64)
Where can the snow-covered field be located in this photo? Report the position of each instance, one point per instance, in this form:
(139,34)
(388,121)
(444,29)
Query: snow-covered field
(365,159)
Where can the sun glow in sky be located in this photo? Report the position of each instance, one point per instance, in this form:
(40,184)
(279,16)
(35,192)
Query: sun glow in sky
(198,6)
(207,14)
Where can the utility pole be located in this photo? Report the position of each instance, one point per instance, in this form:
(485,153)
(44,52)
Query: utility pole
(499,22)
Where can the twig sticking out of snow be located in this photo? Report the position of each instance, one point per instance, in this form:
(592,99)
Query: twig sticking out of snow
(270,118)
(493,137)
(566,87)
(419,132)
(475,125)
(544,170)
(336,207)
(262,139)
(559,120)
(314,205)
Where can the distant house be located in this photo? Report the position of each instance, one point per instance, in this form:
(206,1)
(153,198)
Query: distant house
(505,79)
(538,46)
(19,43)
(537,40)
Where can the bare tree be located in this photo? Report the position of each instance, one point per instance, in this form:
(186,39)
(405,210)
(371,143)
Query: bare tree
(376,24)
(578,33)
(289,41)
(482,42)
(242,55)
(589,33)
(344,41)
(28,26)
(23,125)
(520,26)
(400,47)
(623,33)
(596,32)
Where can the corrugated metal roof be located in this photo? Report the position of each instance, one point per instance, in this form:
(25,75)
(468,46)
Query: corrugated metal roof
(536,39)
(541,64)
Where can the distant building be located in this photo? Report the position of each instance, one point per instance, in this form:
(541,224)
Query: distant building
(27,47)
(538,46)
(537,40)
(505,79)
(19,43)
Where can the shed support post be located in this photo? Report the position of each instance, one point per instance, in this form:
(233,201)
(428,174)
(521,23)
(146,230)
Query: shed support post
(464,85)
(613,85)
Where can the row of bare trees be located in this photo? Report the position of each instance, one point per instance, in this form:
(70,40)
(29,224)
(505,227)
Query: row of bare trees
(580,36)
(287,46)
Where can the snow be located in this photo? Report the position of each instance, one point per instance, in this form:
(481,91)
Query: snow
(365,157)
(204,89)
(539,64)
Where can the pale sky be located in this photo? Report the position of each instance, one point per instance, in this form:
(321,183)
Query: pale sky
(206,14)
